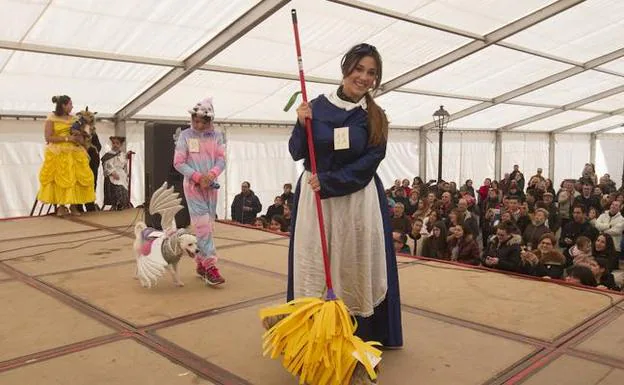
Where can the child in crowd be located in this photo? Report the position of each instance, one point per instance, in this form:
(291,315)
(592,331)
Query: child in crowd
(260,222)
(278,224)
(277,208)
(287,217)
(400,243)
(581,250)
(581,275)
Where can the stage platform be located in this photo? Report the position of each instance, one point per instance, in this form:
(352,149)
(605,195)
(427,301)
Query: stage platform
(73,314)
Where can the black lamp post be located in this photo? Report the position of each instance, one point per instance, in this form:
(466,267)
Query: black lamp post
(440,121)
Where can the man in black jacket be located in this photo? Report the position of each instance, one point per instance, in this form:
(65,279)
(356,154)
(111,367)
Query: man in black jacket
(246,205)
(504,250)
(587,199)
(579,226)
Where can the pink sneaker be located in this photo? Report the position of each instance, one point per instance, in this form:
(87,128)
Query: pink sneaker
(212,276)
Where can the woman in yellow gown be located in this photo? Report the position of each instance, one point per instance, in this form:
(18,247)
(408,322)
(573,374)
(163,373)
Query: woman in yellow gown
(65,177)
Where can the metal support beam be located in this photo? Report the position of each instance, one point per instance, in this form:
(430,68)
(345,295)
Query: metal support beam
(225,38)
(551,156)
(422,155)
(481,99)
(87,54)
(120,128)
(314,79)
(536,85)
(607,129)
(590,120)
(226,177)
(592,148)
(459,32)
(498,156)
(567,107)
(267,74)
(99,55)
(477,45)
(514,94)
(410,19)
(559,59)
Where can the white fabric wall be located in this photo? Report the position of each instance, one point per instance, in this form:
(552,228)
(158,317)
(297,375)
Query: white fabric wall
(260,155)
(477,157)
(465,155)
(528,150)
(135,143)
(610,156)
(451,156)
(571,154)
(257,154)
(21,155)
(401,157)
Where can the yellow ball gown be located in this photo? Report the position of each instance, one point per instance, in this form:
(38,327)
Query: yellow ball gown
(65,177)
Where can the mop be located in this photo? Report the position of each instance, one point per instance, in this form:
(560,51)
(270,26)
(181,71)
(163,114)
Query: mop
(316,340)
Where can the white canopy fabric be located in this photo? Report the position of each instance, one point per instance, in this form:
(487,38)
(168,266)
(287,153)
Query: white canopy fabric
(539,83)
(506,65)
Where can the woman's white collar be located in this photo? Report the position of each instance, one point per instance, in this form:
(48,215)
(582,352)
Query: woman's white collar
(345,105)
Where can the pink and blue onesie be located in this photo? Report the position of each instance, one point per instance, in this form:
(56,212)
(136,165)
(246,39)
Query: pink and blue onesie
(196,154)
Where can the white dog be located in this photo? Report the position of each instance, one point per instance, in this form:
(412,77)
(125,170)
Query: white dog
(156,250)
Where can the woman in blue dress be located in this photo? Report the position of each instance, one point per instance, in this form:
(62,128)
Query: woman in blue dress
(350,134)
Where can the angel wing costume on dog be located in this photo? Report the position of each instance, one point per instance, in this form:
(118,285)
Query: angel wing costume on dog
(152,246)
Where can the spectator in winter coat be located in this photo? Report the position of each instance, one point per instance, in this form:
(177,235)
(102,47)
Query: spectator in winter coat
(464,248)
(504,250)
(535,230)
(611,222)
(277,208)
(246,205)
(587,199)
(435,246)
(577,227)
(554,221)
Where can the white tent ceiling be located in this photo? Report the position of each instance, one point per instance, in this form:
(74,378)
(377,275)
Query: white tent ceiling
(508,65)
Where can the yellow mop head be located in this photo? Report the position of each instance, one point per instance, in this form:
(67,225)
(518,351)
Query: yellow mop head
(316,342)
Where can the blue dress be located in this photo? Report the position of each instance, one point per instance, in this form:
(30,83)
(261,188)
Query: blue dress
(363,259)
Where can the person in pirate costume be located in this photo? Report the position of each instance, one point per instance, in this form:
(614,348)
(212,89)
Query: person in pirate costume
(115,167)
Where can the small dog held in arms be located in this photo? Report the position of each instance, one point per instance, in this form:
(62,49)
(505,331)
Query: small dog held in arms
(85,126)
(157,251)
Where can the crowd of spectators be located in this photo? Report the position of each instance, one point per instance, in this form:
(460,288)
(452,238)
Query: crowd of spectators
(516,224)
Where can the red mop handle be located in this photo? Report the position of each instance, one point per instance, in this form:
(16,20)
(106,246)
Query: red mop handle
(308,127)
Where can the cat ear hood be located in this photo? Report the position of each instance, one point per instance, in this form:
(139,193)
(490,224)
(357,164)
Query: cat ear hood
(204,109)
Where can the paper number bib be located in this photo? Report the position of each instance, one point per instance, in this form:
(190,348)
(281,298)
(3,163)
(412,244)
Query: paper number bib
(341,138)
